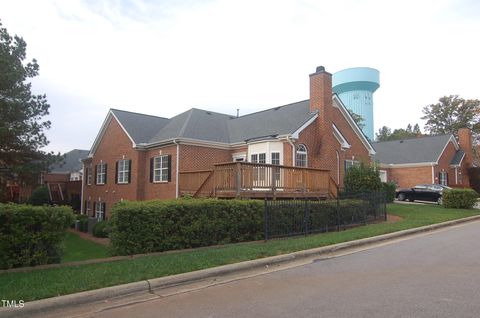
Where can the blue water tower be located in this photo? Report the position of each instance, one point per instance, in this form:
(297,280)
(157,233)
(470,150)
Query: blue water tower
(355,87)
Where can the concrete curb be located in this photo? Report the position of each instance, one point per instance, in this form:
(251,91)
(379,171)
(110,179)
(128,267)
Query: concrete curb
(51,304)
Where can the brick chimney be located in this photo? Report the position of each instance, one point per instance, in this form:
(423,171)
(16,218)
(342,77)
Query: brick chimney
(465,142)
(321,101)
(321,94)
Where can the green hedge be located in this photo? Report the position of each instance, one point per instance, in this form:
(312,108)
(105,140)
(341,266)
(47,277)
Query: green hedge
(151,226)
(459,198)
(32,235)
(101,229)
(389,189)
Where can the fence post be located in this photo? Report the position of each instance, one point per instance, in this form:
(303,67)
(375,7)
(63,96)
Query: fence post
(265,220)
(337,210)
(384,199)
(305,216)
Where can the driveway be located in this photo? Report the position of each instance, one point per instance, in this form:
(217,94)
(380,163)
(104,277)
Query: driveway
(429,275)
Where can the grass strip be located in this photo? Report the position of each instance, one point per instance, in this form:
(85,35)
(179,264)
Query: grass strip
(79,249)
(46,283)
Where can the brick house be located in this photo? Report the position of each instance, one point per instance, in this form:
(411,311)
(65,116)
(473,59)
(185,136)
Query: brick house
(296,150)
(64,180)
(426,160)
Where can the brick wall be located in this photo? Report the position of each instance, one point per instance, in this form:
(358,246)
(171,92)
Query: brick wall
(114,145)
(410,177)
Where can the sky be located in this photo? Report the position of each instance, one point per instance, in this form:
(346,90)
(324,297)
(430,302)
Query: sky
(165,57)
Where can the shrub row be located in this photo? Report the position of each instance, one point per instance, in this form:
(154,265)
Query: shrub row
(101,229)
(459,198)
(32,235)
(152,226)
(389,189)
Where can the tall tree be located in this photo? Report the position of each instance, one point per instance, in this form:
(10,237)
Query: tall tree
(21,114)
(450,114)
(386,134)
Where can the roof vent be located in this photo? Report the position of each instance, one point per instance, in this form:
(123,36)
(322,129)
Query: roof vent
(401,141)
(209,113)
(277,108)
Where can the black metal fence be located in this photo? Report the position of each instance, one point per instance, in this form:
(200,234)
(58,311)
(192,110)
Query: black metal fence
(284,218)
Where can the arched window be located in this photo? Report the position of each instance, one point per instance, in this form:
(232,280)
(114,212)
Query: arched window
(301,156)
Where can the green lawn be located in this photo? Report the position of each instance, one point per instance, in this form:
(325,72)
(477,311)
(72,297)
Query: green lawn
(78,249)
(60,281)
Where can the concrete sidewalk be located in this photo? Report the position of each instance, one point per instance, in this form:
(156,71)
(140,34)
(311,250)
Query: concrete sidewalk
(49,305)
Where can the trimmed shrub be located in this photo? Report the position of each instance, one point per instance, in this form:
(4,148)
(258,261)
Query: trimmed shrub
(459,198)
(101,229)
(152,226)
(389,189)
(32,235)
(362,178)
(39,196)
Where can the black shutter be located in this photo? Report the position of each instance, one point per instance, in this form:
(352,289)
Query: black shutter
(439,178)
(94,208)
(106,173)
(96,167)
(104,209)
(446,178)
(169,163)
(129,171)
(116,172)
(85,207)
(151,169)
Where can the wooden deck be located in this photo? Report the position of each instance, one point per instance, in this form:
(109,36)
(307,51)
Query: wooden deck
(254,180)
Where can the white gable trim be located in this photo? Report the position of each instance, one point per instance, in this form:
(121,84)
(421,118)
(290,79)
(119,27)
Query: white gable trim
(297,132)
(340,138)
(101,133)
(337,102)
(455,144)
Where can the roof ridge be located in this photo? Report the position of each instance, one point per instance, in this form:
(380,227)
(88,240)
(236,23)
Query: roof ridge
(136,113)
(268,109)
(185,123)
(413,138)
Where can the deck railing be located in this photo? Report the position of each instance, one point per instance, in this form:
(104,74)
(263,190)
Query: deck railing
(236,179)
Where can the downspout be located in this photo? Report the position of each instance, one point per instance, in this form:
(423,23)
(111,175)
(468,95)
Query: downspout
(293,149)
(176,170)
(81,192)
(456,175)
(433,174)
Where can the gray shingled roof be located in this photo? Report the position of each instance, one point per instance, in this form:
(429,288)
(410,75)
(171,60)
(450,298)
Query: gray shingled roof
(416,150)
(140,127)
(457,159)
(271,122)
(211,126)
(71,163)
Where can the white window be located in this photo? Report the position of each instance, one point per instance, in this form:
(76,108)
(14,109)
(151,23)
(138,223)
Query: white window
(351,163)
(160,168)
(301,156)
(443,178)
(88,207)
(101,173)
(383,175)
(258,158)
(123,173)
(100,211)
(275,158)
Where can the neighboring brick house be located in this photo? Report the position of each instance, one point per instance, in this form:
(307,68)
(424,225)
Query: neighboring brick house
(426,160)
(64,180)
(300,149)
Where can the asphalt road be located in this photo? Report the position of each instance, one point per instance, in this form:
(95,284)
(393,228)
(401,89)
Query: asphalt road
(432,275)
